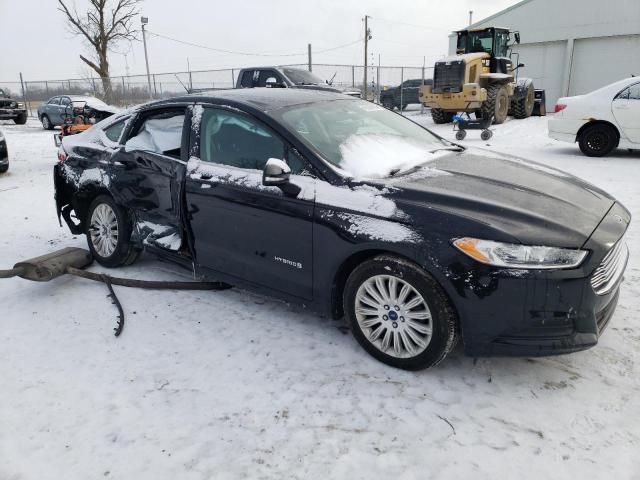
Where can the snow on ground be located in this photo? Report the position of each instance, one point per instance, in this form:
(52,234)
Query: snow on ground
(232,385)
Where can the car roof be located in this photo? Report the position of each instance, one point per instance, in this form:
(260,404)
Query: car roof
(263,99)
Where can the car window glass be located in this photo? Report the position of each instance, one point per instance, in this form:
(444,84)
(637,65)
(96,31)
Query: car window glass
(247,79)
(236,140)
(114,132)
(268,76)
(160,133)
(65,101)
(297,164)
(634,92)
(54,101)
(623,95)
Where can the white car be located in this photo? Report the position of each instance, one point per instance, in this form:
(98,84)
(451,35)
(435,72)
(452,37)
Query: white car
(601,120)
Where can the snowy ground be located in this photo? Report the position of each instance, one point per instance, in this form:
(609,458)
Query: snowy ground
(231,385)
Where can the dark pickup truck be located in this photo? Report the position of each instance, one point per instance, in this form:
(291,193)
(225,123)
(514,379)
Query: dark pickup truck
(11,109)
(287,77)
(402,95)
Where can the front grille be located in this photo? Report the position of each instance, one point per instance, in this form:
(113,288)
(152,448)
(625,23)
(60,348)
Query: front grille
(6,103)
(609,272)
(448,77)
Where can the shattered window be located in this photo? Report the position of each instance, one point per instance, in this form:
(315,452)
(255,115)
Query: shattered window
(159,134)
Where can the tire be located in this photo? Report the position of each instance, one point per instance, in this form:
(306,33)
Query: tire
(523,107)
(461,135)
(440,116)
(105,218)
(598,140)
(20,119)
(486,135)
(4,168)
(404,107)
(434,322)
(387,103)
(46,123)
(496,104)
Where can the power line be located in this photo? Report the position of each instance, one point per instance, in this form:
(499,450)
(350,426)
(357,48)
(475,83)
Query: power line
(423,27)
(233,52)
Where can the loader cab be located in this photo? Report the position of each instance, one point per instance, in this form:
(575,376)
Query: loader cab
(494,41)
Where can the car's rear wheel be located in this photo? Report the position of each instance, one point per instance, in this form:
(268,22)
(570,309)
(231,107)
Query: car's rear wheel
(399,313)
(46,123)
(108,229)
(387,103)
(598,140)
(4,168)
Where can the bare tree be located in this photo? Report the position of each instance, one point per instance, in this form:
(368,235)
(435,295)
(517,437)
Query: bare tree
(103,26)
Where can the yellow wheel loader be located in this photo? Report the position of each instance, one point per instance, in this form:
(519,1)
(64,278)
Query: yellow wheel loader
(480,78)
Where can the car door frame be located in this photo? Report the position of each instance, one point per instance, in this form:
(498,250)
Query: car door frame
(130,169)
(305,204)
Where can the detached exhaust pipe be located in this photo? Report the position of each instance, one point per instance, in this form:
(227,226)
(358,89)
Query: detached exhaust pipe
(50,266)
(73,260)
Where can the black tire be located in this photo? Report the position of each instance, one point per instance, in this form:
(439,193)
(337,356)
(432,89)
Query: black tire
(20,119)
(46,122)
(486,135)
(598,140)
(523,108)
(440,116)
(496,104)
(461,135)
(387,103)
(125,252)
(404,107)
(4,168)
(443,321)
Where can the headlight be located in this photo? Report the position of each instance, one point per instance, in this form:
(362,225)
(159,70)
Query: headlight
(510,255)
(20,105)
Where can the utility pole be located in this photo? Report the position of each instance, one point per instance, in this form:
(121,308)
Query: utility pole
(470,17)
(144,21)
(367,37)
(309,54)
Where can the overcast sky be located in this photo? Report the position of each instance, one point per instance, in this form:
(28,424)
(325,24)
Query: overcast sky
(35,41)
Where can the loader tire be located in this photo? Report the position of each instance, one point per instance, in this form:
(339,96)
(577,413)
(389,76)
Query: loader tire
(496,104)
(523,107)
(439,116)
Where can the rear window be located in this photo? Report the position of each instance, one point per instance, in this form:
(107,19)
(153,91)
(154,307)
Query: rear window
(114,132)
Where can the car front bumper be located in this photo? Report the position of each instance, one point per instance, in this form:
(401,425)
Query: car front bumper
(11,113)
(506,312)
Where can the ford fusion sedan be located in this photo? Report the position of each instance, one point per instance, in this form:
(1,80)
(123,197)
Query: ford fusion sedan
(602,120)
(341,205)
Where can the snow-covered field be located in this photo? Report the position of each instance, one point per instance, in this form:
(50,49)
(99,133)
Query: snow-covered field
(229,385)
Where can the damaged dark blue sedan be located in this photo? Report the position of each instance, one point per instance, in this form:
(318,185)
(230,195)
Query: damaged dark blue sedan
(355,211)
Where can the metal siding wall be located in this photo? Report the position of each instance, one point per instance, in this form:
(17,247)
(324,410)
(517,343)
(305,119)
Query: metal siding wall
(544,64)
(600,61)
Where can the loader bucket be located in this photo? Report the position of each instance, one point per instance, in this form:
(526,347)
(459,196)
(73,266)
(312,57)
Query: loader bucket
(52,265)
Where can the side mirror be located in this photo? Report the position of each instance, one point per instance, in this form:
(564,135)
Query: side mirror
(276,172)
(273,83)
(517,37)
(520,65)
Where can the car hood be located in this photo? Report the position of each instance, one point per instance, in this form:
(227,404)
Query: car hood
(329,88)
(531,202)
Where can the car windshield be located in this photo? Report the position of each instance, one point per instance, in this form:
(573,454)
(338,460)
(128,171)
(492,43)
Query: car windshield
(361,138)
(91,101)
(302,77)
(2,94)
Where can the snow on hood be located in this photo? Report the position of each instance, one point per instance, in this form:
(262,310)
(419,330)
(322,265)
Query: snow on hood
(374,155)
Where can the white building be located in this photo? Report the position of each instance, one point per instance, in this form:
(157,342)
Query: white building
(571,47)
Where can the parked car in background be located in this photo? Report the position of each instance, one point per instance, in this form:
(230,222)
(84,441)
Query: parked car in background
(402,95)
(11,109)
(341,205)
(4,154)
(287,77)
(54,111)
(602,120)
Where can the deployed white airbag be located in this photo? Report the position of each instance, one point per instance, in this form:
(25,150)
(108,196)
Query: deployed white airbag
(158,135)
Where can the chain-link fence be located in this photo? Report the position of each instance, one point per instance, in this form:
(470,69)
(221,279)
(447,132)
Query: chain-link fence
(382,83)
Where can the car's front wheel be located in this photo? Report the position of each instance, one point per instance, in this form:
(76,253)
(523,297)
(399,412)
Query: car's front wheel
(46,123)
(399,313)
(598,140)
(20,119)
(108,230)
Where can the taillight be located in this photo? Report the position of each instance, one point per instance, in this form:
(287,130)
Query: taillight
(62,155)
(560,107)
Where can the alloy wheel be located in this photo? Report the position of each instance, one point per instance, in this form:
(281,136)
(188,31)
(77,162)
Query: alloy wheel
(103,230)
(393,316)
